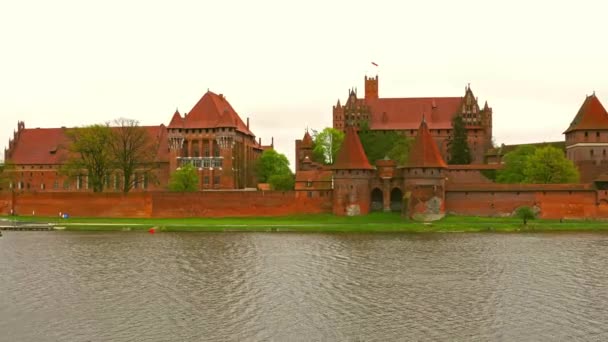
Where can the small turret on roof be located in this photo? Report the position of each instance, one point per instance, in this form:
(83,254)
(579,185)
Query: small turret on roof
(176,121)
(307,140)
(424,152)
(591,116)
(351,155)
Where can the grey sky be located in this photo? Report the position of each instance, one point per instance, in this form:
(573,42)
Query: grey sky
(285,63)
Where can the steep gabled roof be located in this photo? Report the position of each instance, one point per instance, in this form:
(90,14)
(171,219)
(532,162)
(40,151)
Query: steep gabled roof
(591,115)
(49,146)
(351,155)
(406,113)
(208,111)
(424,151)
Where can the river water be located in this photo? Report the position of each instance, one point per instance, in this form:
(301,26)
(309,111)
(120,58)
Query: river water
(131,286)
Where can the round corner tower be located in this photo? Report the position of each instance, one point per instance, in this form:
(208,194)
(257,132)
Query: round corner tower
(352,176)
(424,179)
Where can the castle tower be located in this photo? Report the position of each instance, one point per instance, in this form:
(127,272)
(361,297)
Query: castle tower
(176,140)
(424,178)
(352,175)
(371,88)
(303,150)
(587,139)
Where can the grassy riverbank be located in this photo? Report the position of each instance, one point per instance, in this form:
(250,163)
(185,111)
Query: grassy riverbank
(375,222)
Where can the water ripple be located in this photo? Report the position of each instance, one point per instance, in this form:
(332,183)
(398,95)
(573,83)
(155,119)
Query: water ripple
(128,286)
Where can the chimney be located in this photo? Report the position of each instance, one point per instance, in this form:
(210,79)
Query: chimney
(247,122)
(272,142)
(260,141)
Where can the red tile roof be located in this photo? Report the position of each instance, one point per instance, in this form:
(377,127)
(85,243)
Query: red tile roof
(48,146)
(307,140)
(351,155)
(591,115)
(209,111)
(176,121)
(40,146)
(406,113)
(424,151)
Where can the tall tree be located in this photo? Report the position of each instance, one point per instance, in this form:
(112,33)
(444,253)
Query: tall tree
(133,150)
(458,147)
(271,163)
(549,165)
(184,180)
(326,145)
(514,164)
(90,154)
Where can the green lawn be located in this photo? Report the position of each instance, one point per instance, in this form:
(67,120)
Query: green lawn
(375,222)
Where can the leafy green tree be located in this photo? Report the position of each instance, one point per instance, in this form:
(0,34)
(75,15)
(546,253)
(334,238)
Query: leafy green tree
(525,213)
(528,164)
(133,151)
(90,154)
(185,179)
(549,165)
(326,145)
(400,150)
(459,150)
(380,144)
(282,182)
(271,163)
(514,164)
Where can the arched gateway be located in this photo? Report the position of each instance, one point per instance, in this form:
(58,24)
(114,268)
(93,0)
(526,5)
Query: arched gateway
(396,199)
(377,198)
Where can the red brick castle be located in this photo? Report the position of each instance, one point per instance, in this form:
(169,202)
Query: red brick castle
(214,139)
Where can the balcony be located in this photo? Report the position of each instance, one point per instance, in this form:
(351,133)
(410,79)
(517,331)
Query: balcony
(201,162)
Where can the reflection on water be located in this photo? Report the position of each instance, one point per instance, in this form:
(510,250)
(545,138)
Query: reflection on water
(123,286)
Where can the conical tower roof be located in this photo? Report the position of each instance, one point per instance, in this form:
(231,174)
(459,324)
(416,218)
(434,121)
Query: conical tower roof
(351,155)
(307,140)
(176,121)
(591,115)
(424,151)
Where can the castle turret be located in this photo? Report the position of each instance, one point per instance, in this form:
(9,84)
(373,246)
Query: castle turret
(424,178)
(176,139)
(303,150)
(352,175)
(371,88)
(587,139)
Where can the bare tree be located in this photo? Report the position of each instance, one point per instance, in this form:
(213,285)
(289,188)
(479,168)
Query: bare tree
(134,152)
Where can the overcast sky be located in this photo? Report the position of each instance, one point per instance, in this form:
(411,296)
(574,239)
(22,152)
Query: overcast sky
(285,63)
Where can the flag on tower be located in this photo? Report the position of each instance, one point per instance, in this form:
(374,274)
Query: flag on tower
(374,64)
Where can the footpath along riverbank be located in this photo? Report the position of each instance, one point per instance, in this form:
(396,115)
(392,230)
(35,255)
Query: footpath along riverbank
(375,222)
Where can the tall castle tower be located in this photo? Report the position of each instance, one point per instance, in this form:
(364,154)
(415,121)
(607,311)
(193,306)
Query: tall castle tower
(424,178)
(352,176)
